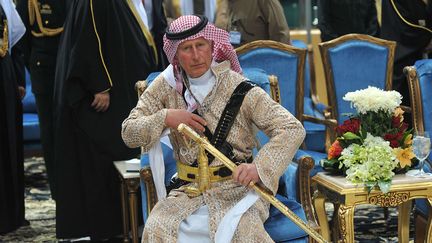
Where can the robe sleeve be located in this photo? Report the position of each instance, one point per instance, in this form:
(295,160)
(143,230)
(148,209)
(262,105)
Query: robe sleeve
(146,121)
(88,64)
(285,134)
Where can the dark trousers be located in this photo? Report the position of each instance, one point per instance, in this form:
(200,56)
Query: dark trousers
(44,103)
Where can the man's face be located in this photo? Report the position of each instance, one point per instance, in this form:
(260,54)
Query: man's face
(195,56)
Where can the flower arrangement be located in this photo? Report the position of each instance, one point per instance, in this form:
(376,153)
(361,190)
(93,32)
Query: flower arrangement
(374,143)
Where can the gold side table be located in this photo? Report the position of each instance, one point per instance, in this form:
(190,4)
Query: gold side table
(345,196)
(130,182)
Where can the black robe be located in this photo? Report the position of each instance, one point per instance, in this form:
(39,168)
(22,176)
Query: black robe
(87,142)
(411,41)
(11,141)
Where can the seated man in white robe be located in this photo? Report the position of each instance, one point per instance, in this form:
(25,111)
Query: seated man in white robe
(204,89)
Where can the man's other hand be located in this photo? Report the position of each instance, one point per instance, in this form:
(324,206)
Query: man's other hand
(245,174)
(176,116)
(21,92)
(101,101)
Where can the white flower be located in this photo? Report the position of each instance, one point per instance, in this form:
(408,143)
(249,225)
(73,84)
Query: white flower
(374,99)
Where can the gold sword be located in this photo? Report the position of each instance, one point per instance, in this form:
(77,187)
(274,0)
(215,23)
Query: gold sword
(264,193)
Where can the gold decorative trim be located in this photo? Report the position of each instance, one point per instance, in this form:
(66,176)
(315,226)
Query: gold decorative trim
(34,13)
(346,218)
(99,43)
(147,177)
(324,48)
(415,98)
(5,44)
(146,32)
(390,199)
(274,88)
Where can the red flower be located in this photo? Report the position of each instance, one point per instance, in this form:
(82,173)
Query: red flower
(396,121)
(335,150)
(394,139)
(351,125)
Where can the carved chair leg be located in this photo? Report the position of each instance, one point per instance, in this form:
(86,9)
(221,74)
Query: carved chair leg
(319,204)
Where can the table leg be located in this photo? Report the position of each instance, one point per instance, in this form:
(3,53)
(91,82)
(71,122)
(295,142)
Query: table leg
(429,223)
(335,223)
(125,212)
(403,221)
(319,204)
(132,186)
(346,223)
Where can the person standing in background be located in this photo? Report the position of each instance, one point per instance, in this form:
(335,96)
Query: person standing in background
(44,21)
(250,20)
(341,17)
(177,8)
(11,139)
(106,47)
(409,23)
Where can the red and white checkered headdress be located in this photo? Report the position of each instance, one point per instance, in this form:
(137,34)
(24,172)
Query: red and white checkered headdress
(222,48)
(191,27)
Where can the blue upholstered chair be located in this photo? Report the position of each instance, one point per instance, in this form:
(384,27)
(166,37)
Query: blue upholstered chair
(288,64)
(293,185)
(31,133)
(420,87)
(352,62)
(315,132)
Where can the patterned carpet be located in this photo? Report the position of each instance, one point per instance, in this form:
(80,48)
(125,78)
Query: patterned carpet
(370,225)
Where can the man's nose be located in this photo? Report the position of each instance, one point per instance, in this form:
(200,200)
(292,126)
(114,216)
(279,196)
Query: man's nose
(195,52)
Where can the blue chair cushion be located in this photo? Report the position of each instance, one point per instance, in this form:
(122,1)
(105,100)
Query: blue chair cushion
(348,77)
(257,76)
(279,227)
(31,127)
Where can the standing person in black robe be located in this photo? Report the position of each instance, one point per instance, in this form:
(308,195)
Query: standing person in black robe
(341,17)
(105,48)
(11,139)
(40,45)
(411,40)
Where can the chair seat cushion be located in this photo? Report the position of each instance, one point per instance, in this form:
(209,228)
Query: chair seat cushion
(281,228)
(31,127)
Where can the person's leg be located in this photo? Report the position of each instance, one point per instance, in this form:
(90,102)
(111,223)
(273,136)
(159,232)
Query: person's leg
(45,113)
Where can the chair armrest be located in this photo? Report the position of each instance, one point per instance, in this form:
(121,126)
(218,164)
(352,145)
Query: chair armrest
(305,165)
(146,177)
(140,87)
(328,122)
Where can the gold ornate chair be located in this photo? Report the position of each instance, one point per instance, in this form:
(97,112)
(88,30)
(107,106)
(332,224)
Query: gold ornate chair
(294,186)
(419,79)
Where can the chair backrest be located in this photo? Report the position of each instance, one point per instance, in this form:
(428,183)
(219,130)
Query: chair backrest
(420,87)
(353,62)
(284,61)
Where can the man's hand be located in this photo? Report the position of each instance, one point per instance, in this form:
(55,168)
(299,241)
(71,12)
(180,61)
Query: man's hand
(101,101)
(21,92)
(176,116)
(245,174)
